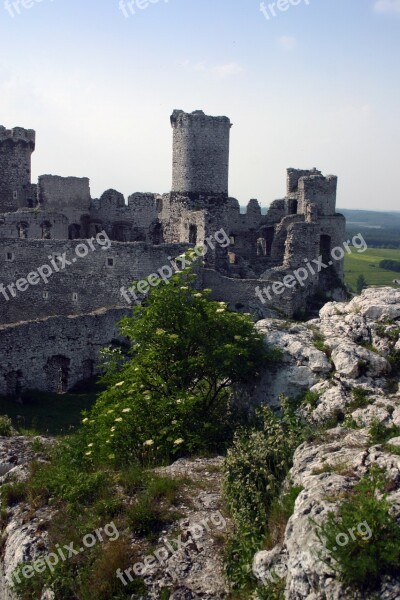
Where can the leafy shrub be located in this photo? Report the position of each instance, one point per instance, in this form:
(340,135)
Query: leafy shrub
(67,476)
(319,343)
(365,559)
(360,398)
(273,590)
(6,428)
(380,434)
(255,468)
(311,399)
(392,449)
(390,333)
(13,493)
(173,395)
(280,512)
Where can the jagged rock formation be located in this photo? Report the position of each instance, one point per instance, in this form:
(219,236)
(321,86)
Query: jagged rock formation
(24,537)
(333,463)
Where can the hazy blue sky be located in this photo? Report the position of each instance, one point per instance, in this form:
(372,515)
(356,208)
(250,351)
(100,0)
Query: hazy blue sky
(315,86)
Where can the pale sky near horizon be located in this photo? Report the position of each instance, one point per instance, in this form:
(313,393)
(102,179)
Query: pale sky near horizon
(316,85)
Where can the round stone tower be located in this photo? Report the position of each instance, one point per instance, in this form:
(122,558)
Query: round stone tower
(16,147)
(200,153)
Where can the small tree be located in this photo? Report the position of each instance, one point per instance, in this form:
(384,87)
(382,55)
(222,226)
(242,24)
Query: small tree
(173,393)
(361,284)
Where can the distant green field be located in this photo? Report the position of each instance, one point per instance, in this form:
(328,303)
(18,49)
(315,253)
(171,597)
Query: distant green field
(367,264)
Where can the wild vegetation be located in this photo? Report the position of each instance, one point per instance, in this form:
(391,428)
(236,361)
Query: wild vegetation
(366,557)
(169,396)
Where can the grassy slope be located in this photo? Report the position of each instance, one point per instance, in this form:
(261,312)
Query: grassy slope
(367,264)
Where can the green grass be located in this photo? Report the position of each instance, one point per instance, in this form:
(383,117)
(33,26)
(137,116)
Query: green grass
(85,498)
(367,264)
(48,413)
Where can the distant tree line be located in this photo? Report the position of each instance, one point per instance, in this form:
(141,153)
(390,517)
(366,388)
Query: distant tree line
(377,238)
(390,265)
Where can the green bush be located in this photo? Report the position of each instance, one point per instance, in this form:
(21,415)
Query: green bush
(280,512)
(255,469)
(5,426)
(172,396)
(392,449)
(311,399)
(360,398)
(365,559)
(12,493)
(380,434)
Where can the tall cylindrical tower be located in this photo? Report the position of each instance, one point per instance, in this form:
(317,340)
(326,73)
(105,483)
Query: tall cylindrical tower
(16,147)
(200,153)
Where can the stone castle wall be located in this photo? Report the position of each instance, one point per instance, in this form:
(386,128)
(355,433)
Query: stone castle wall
(55,353)
(91,282)
(33,224)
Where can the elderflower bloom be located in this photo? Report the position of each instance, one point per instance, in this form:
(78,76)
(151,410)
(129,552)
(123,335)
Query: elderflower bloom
(178,441)
(148,443)
(119,420)
(127,410)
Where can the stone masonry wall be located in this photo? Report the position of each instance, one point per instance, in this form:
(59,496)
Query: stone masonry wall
(89,283)
(67,195)
(30,224)
(55,353)
(241,295)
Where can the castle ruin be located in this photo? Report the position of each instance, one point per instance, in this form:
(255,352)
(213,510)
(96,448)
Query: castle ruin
(52,333)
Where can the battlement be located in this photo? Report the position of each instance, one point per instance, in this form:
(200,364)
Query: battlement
(319,190)
(180,118)
(294,176)
(18,134)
